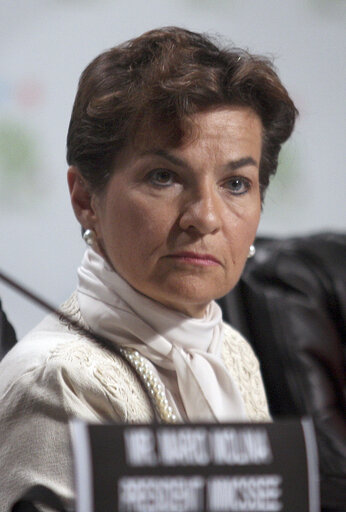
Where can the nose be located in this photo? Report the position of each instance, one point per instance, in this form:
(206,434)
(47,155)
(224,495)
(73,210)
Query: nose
(202,212)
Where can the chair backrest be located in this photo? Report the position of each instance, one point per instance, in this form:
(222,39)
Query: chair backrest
(7,334)
(291,305)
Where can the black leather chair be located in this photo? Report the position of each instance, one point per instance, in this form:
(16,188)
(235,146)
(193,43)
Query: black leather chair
(7,334)
(291,305)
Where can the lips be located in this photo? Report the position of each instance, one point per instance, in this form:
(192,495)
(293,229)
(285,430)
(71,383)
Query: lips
(195,258)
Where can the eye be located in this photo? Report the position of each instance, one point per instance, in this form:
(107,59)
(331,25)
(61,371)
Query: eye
(161,177)
(238,185)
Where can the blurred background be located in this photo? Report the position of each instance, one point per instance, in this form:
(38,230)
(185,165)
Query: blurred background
(45,45)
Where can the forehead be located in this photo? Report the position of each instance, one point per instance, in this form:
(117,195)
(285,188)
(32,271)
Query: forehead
(227,125)
(230,129)
(211,120)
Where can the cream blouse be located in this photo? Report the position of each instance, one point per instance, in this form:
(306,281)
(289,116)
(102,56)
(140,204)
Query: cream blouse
(55,373)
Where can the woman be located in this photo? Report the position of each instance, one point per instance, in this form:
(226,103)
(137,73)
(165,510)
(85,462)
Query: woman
(171,145)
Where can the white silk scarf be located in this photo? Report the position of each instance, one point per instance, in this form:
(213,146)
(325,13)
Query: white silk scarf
(167,338)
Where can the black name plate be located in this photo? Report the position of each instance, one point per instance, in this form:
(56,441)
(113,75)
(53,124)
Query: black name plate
(257,467)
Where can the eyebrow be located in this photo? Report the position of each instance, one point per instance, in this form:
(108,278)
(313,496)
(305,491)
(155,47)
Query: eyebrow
(242,162)
(233,164)
(171,158)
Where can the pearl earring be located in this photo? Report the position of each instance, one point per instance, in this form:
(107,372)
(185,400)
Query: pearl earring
(252,251)
(89,237)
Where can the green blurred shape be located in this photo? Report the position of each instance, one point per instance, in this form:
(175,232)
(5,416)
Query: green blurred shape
(18,154)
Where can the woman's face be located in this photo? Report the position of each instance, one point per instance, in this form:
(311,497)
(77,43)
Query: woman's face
(177,224)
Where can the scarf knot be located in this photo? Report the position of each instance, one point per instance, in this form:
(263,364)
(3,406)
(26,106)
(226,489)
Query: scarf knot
(170,340)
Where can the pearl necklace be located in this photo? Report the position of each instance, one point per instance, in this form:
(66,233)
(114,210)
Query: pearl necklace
(154,388)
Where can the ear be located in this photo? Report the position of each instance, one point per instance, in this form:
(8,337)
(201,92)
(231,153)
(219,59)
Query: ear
(81,198)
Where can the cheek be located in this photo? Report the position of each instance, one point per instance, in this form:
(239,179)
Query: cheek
(138,227)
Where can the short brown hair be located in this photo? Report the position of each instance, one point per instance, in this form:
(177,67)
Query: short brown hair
(159,79)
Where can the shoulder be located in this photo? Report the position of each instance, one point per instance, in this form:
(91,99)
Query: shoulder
(242,363)
(83,378)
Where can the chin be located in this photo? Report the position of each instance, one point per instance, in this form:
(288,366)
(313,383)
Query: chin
(189,295)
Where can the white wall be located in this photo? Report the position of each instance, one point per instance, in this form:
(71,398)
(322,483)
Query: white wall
(44,46)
